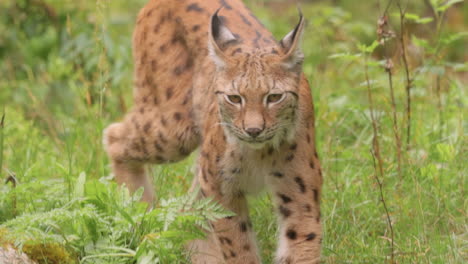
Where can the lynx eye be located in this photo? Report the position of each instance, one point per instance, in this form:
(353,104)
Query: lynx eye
(234,99)
(274,98)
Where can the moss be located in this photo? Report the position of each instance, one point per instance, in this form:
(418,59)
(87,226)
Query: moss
(48,253)
(4,240)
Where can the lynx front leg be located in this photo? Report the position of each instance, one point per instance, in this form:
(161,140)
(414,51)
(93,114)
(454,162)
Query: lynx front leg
(127,163)
(296,186)
(233,236)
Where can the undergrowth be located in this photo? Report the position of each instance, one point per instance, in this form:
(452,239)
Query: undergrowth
(66,73)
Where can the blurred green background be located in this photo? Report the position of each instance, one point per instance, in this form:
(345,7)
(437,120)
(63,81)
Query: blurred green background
(66,73)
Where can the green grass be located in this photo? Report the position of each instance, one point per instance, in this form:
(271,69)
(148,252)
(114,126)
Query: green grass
(66,76)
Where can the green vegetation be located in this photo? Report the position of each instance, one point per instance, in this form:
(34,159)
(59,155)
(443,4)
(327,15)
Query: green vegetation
(66,73)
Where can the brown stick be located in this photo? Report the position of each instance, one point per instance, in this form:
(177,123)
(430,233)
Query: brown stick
(408,78)
(376,155)
(396,133)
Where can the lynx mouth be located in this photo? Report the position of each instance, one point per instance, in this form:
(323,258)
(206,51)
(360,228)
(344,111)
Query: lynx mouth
(256,142)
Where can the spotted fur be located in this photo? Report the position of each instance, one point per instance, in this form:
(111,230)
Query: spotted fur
(208,75)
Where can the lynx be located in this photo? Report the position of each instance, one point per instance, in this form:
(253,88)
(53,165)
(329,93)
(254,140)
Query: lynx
(208,75)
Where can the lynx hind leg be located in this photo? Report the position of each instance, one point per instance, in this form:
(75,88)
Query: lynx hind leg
(128,169)
(148,136)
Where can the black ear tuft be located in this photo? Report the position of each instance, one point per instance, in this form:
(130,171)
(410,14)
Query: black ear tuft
(219,37)
(215,24)
(291,45)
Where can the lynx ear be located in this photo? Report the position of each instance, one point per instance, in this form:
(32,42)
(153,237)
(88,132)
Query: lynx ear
(219,36)
(291,45)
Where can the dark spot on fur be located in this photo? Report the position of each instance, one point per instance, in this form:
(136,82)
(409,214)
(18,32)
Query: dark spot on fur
(147,127)
(293,147)
(311,164)
(195,28)
(162,138)
(162,48)
(158,147)
(243,227)
(301,184)
(257,38)
(163,121)
(169,92)
(233,254)
(290,157)
(273,51)
(150,12)
(178,70)
(311,236)
(277,174)
(178,116)
(246,247)
(256,19)
(225,4)
(225,240)
(316,195)
(291,234)
(236,170)
(307,208)
(245,20)
(308,138)
(194,7)
(284,211)
(186,98)
(156,28)
(153,65)
(284,198)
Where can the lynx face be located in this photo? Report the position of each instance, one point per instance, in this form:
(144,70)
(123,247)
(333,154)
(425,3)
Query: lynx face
(257,106)
(257,90)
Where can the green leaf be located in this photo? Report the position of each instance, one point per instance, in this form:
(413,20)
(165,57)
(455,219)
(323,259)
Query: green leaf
(446,152)
(447,5)
(419,20)
(368,48)
(345,56)
(454,37)
(80,186)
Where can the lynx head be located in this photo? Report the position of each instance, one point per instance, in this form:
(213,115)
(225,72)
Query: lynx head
(257,89)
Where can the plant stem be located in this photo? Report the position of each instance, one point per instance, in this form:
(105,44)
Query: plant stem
(395,123)
(376,155)
(407,76)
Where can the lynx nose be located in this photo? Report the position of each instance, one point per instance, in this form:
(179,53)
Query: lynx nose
(253,131)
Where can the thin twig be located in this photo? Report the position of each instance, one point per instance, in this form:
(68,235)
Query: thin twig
(388,68)
(439,106)
(408,77)
(385,33)
(2,125)
(376,155)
